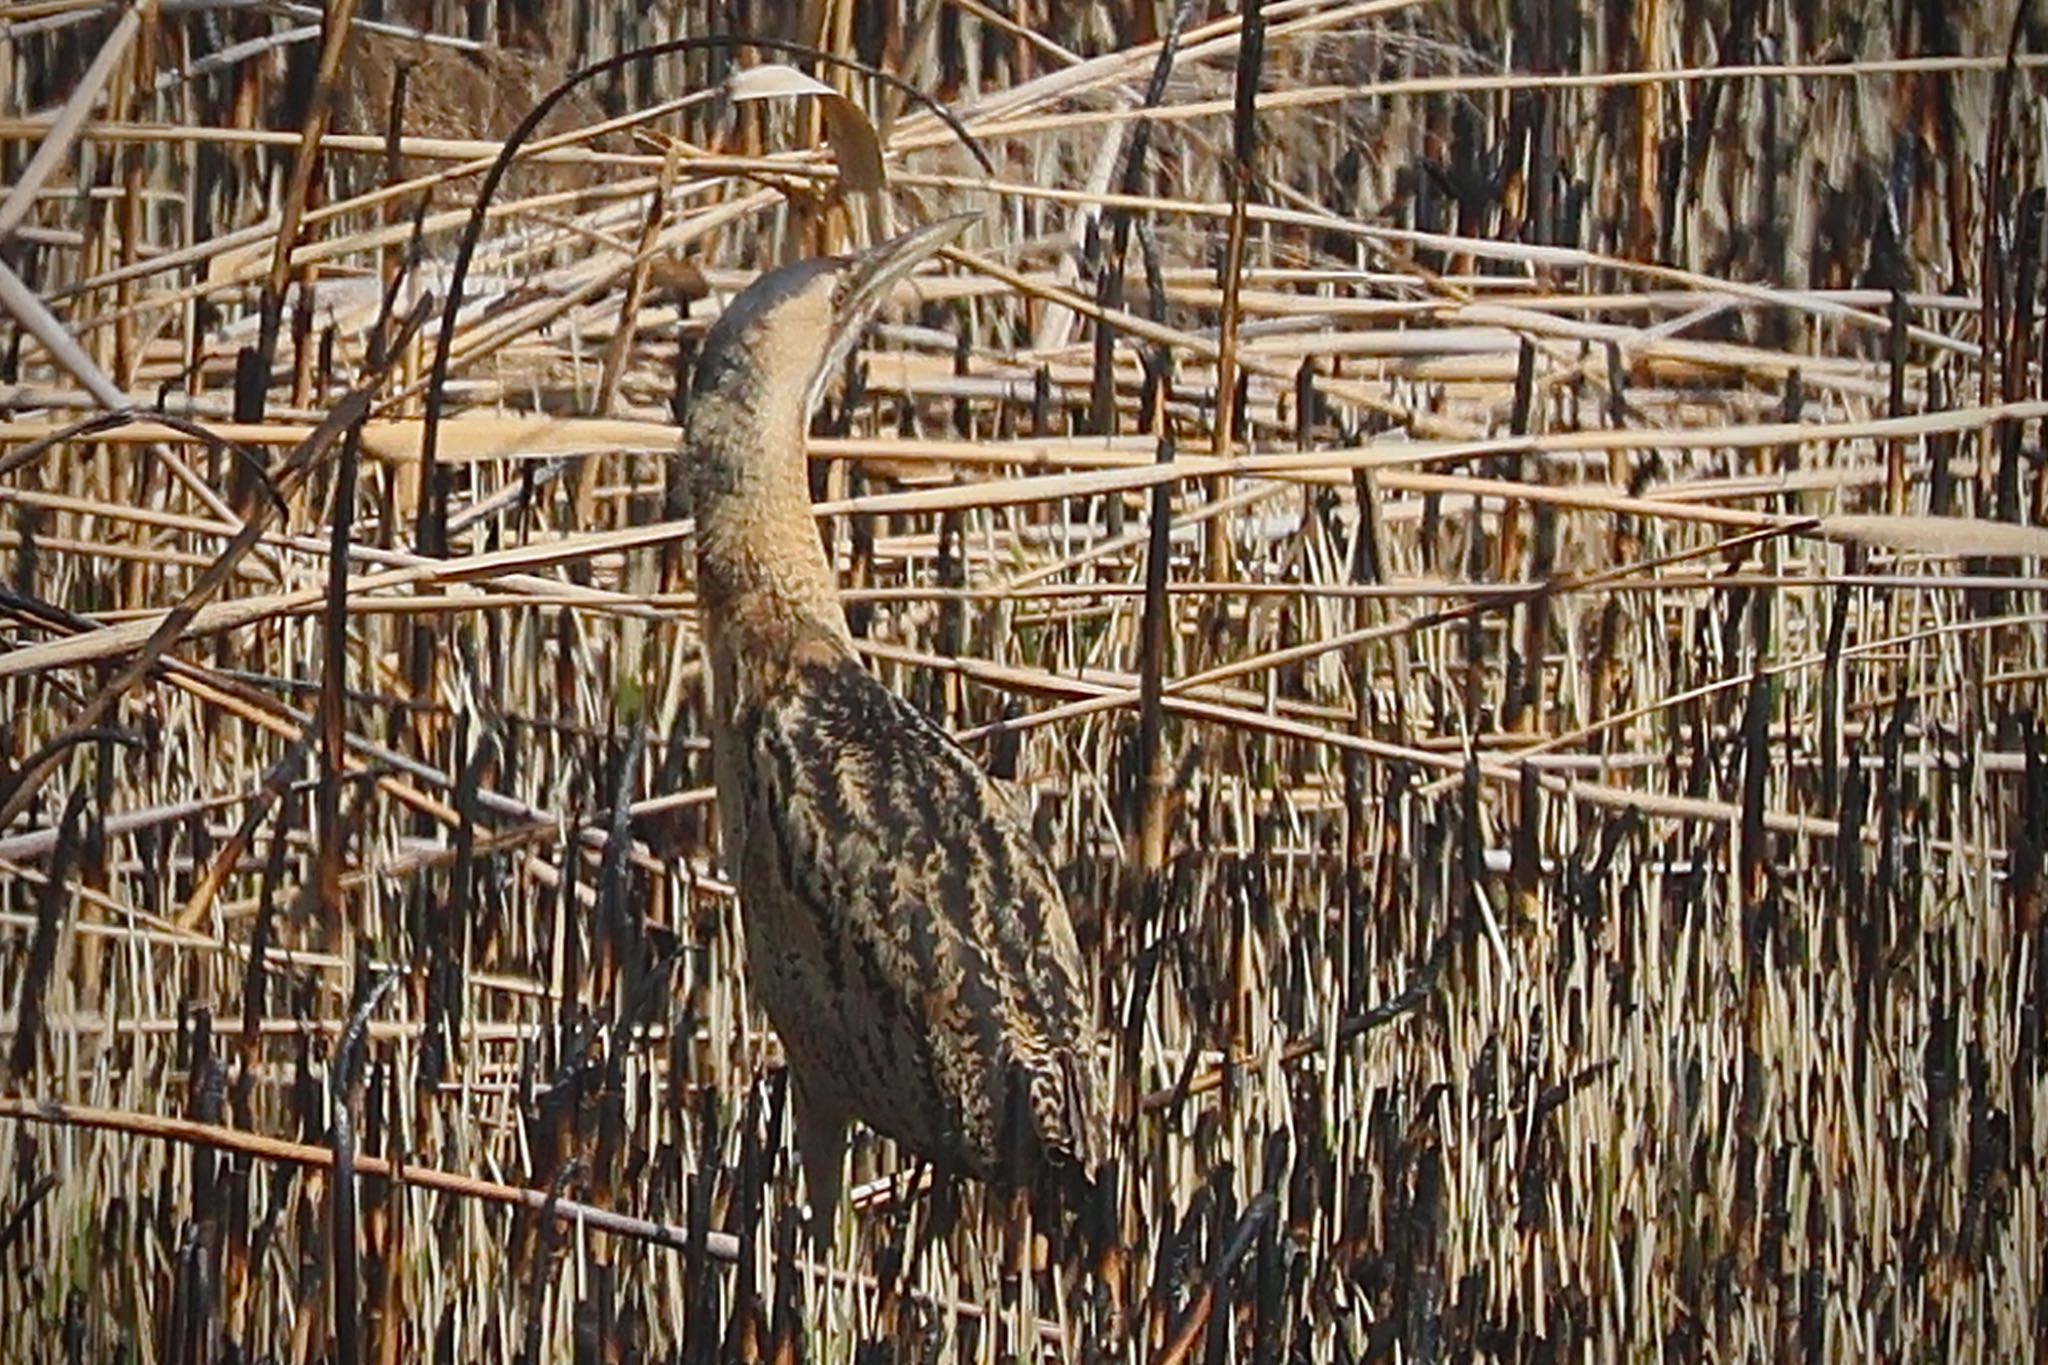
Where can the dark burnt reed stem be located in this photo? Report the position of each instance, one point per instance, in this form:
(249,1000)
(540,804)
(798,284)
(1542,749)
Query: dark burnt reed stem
(702,1333)
(333,713)
(24,1209)
(1107,255)
(1210,1307)
(1243,177)
(344,1248)
(42,959)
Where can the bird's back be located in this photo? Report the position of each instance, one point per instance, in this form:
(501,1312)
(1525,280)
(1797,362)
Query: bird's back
(903,930)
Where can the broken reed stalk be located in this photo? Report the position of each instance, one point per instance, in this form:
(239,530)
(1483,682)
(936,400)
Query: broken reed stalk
(1150,768)
(719,1246)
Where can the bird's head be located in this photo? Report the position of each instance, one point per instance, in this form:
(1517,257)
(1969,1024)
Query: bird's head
(769,355)
(763,364)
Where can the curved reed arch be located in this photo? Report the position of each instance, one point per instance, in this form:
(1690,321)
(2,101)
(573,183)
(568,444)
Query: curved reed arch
(428,532)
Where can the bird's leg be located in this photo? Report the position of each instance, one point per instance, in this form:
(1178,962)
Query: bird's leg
(821,1143)
(1019,1283)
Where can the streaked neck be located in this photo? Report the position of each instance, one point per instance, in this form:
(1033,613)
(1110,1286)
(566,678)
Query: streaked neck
(763,578)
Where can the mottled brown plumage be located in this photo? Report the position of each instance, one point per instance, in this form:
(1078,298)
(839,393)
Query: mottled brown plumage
(904,934)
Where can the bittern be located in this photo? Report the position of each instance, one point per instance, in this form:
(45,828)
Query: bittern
(905,935)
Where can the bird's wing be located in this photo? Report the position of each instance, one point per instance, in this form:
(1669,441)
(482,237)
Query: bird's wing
(912,859)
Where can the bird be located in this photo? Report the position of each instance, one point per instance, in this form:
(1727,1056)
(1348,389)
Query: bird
(905,935)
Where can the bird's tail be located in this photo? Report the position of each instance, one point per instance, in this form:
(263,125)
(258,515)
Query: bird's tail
(1070,1115)
(1058,1138)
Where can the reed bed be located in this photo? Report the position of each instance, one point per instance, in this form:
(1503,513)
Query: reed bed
(1503,551)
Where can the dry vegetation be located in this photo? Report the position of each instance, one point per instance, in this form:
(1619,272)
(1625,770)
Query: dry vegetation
(1552,777)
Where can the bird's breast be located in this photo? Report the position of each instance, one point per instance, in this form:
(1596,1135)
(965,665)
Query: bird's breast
(845,1027)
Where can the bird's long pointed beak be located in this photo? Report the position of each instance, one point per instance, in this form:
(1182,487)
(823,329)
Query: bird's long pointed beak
(872,274)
